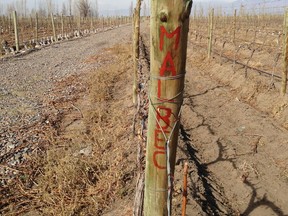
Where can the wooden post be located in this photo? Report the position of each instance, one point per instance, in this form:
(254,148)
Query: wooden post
(285,60)
(210,37)
(234,26)
(169,36)
(15,21)
(9,23)
(53,27)
(62,25)
(91,23)
(136,36)
(31,21)
(36,26)
(79,23)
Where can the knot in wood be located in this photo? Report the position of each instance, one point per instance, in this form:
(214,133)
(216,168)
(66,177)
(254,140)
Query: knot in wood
(163,17)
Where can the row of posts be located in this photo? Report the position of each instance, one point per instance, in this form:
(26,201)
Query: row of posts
(110,21)
(285,43)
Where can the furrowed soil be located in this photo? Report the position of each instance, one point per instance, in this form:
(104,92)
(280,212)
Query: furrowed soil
(70,106)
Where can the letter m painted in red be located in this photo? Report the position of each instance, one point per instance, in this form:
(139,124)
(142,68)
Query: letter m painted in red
(163,32)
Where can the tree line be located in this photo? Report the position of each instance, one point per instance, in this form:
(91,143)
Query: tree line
(84,8)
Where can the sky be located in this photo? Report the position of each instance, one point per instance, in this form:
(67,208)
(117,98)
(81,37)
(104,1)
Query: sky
(121,7)
(104,5)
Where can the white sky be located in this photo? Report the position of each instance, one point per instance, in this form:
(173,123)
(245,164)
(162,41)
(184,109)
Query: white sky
(103,4)
(121,7)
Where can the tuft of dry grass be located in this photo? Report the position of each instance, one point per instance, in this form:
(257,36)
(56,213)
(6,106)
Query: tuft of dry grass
(89,163)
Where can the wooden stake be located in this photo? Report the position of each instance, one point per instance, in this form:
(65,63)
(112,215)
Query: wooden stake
(79,23)
(36,26)
(285,60)
(31,21)
(234,26)
(9,23)
(184,201)
(62,25)
(211,23)
(15,21)
(91,23)
(169,35)
(53,27)
(136,23)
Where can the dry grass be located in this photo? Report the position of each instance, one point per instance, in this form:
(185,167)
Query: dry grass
(84,168)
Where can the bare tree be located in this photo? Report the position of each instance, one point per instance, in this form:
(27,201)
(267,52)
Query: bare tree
(70,7)
(131,9)
(24,2)
(50,6)
(42,12)
(144,9)
(1,9)
(84,7)
(96,9)
(10,8)
(64,9)
(19,7)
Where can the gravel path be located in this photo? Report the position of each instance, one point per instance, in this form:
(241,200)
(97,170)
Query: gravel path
(26,79)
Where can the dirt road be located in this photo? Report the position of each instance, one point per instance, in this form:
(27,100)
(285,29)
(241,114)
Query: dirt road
(27,81)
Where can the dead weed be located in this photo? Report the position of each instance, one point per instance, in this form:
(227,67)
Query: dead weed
(82,172)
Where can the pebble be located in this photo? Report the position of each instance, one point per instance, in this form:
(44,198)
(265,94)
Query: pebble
(26,91)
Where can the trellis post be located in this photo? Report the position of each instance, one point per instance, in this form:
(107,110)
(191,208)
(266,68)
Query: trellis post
(285,52)
(62,25)
(9,23)
(36,26)
(53,27)
(136,27)
(15,21)
(91,23)
(169,35)
(234,26)
(210,36)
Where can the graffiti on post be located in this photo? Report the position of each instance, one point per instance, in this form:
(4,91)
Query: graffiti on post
(164,114)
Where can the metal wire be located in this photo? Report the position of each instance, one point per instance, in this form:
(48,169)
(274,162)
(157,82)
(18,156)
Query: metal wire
(168,138)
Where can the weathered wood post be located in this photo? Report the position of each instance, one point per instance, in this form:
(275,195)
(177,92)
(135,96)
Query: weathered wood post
(31,21)
(91,23)
(36,26)
(53,27)
(15,21)
(234,26)
(136,36)
(169,35)
(210,36)
(285,52)
(79,23)
(62,25)
(9,23)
